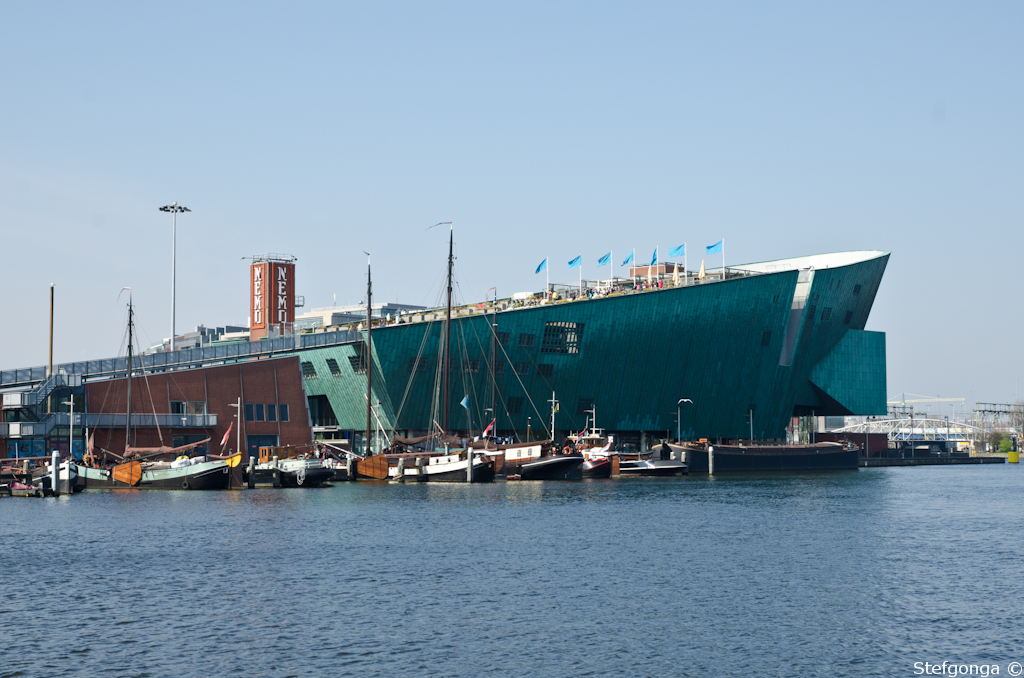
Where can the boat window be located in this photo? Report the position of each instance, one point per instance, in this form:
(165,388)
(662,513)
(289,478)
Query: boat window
(284,411)
(271,412)
(249,415)
(259,411)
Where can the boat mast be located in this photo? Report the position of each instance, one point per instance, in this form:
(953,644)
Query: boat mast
(494,357)
(369,356)
(448,328)
(128,419)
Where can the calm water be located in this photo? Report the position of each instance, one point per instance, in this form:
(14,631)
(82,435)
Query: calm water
(855,573)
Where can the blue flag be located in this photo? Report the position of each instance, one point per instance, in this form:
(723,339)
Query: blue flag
(677,251)
(716,248)
(629,259)
(465,402)
(654,257)
(543,266)
(606,259)
(577,262)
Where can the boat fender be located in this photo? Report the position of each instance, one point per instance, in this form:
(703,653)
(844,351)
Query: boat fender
(184,484)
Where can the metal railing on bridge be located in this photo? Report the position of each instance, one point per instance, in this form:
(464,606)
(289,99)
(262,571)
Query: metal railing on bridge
(177,360)
(43,428)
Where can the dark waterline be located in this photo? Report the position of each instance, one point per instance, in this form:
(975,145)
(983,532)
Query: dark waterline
(858,573)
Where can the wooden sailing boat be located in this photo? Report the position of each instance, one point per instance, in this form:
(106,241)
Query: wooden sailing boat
(371,466)
(195,473)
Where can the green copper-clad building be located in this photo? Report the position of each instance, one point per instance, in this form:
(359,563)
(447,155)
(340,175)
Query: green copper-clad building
(772,341)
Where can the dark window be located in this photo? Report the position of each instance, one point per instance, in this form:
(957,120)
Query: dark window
(195,407)
(856,289)
(584,404)
(308,371)
(420,367)
(177,407)
(766,338)
(848,318)
(249,416)
(284,411)
(515,405)
(504,338)
(471,365)
(320,412)
(271,412)
(812,311)
(544,369)
(775,299)
(499,368)
(562,337)
(259,411)
(526,340)
(826,314)
(332,365)
(358,363)
(523,369)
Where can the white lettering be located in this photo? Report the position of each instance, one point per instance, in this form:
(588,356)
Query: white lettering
(258,317)
(282,316)
(282,302)
(282,288)
(282,273)
(257,273)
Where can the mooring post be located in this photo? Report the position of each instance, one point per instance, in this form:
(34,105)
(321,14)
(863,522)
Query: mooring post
(469,465)
(252,473)
(711,460)
(419,469)
(349,471)
(55,472)
(401,469)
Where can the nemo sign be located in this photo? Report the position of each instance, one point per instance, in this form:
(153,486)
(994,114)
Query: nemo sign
(272,294)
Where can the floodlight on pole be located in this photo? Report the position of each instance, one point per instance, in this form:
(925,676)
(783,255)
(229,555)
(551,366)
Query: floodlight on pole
(173,208)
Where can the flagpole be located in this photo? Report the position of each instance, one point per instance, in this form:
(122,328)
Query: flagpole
(723,258)
(581,274)
(685,265)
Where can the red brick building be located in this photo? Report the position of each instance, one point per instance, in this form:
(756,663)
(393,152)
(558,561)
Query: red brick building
(194,404)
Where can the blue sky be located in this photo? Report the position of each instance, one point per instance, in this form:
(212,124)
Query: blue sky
(540,129)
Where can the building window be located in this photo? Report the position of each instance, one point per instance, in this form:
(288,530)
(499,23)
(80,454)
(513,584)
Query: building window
(848,318)
(471,365)
(271,412)
(177,407)
(562,337)
(504,338)
(584,404)
(826,314)
(249,413)
(259,411)
(856,290)
(284,411)
(308,371)
(196,407)
(358,361)
(515,405)
(499,368)
(523,369)
(526,340)
(545,369)
(417,367)
(332,365)
(766,338)
(812,311)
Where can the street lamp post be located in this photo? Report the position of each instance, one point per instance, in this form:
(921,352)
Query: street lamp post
(174,208)
(679,435)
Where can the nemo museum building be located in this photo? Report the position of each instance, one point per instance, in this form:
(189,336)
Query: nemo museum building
(769,343)
(748,354)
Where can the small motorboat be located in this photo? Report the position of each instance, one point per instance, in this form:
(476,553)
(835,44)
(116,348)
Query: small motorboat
(597,467)
(295,470)
(652,467)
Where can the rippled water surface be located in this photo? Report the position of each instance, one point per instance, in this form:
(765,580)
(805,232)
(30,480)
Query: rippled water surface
(851,573)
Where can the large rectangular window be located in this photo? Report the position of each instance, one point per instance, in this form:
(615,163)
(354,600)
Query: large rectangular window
(271,412)
(562,337)
(259,411)
(249,412)
(284,411)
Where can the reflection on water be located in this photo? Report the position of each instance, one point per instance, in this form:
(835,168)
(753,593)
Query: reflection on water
(848,573)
